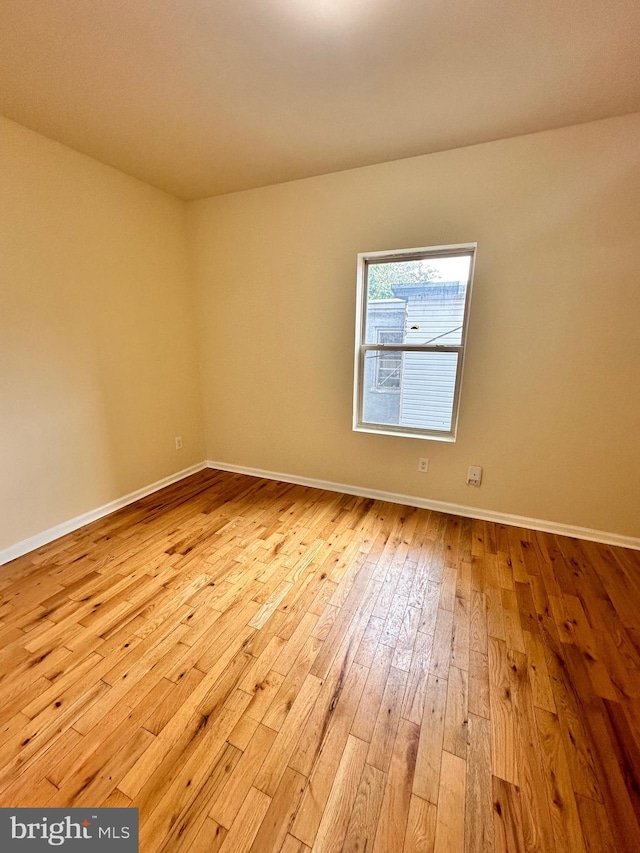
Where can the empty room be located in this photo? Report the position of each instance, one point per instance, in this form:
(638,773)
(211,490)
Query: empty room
(320,426)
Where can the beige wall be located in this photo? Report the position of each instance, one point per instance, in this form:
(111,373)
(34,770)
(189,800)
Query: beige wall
(99,373)
(550,400)
(98,370)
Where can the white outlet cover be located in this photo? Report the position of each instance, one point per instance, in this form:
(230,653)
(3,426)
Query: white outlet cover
(474,475)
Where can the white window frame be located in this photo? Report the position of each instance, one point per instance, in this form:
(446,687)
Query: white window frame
(361,348)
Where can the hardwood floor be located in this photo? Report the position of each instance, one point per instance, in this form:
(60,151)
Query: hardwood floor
(264,667)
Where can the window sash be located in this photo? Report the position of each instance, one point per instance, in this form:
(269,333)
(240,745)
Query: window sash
(401,429)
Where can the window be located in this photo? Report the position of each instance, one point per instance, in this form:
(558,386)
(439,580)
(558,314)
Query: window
(412,313)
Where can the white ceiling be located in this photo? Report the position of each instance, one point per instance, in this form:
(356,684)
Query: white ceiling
(201,97)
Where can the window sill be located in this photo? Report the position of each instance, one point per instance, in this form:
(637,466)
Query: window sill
(403,433)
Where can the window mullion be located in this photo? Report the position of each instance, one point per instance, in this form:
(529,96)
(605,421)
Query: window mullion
(410,348)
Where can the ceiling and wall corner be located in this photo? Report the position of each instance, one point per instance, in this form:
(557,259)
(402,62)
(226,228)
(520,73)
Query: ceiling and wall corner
(201,98)
(109,285)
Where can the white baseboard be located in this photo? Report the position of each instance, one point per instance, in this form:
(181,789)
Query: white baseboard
(59,530)
(440,506)
(33,542)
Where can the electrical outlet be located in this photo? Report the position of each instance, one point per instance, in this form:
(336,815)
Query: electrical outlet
(474,475)
(423,465)
(178,442)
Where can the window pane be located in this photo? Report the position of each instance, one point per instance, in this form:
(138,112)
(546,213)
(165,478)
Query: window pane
(424,394)
(422,299)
